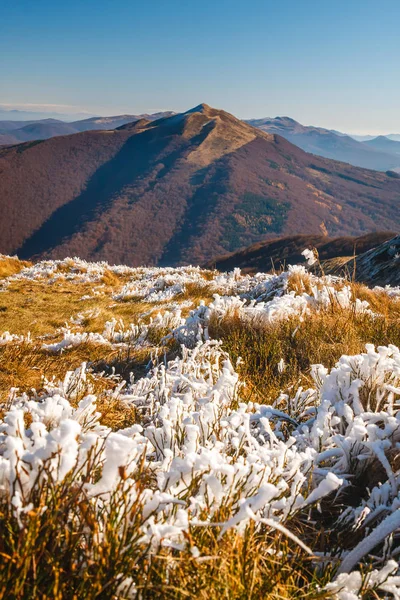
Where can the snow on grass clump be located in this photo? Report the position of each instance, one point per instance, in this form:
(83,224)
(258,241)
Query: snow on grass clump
(116,335)
(11,338)
(282,304)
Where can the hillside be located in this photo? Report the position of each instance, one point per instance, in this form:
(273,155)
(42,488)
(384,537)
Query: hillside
(182,433)
(8,139)
(329,144)
(182,189)
(275,254)
(380,265)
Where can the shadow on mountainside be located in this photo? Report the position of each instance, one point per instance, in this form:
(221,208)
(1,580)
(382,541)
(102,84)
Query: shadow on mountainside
(136,159)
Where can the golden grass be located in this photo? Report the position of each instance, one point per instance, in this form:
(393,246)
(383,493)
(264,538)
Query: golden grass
(59,556)
(239,566)
(40,308)
(320,338)
(10,265)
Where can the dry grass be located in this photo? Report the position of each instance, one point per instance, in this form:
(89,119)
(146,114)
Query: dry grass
(10,265)
(58,555)
(196,293)
(41,308)
(244,566)
(320,338)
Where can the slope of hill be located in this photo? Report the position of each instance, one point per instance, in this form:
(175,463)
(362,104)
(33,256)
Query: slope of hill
(380,265)
(329,144)
(11,125)
(280,252)
(7,139)
(182,189)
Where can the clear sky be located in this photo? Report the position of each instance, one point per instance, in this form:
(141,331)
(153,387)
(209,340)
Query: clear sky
(331,63)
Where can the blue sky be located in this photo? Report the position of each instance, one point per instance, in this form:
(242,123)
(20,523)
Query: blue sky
(331,63)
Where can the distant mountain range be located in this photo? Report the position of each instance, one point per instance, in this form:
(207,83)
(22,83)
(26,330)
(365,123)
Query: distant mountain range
(7,114)
(15,132)
(381,153)
(180,189)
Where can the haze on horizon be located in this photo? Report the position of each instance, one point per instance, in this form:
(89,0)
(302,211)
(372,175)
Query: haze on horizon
(330,65)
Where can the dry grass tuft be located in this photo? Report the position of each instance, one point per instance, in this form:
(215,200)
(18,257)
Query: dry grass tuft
(321,337)
(11,265)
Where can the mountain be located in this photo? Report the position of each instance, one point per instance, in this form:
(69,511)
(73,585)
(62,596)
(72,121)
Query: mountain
(42,131)
(284,251)
(329,144)
(380,265)
(14,132)
(12,125)
(366,138)
(362,138)
(384,144)
(181,189)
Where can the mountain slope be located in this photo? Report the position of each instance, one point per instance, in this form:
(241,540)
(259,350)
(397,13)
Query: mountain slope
(7,139)
(181,189)
(11,125)
(264,256)
(324,142)
(380,265)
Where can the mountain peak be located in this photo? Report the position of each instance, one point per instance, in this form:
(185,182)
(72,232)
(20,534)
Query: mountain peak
(200,108)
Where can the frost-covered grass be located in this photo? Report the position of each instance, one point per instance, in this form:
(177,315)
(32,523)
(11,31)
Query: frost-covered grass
(179,433)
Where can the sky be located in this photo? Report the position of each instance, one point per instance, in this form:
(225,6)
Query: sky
(330,63)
